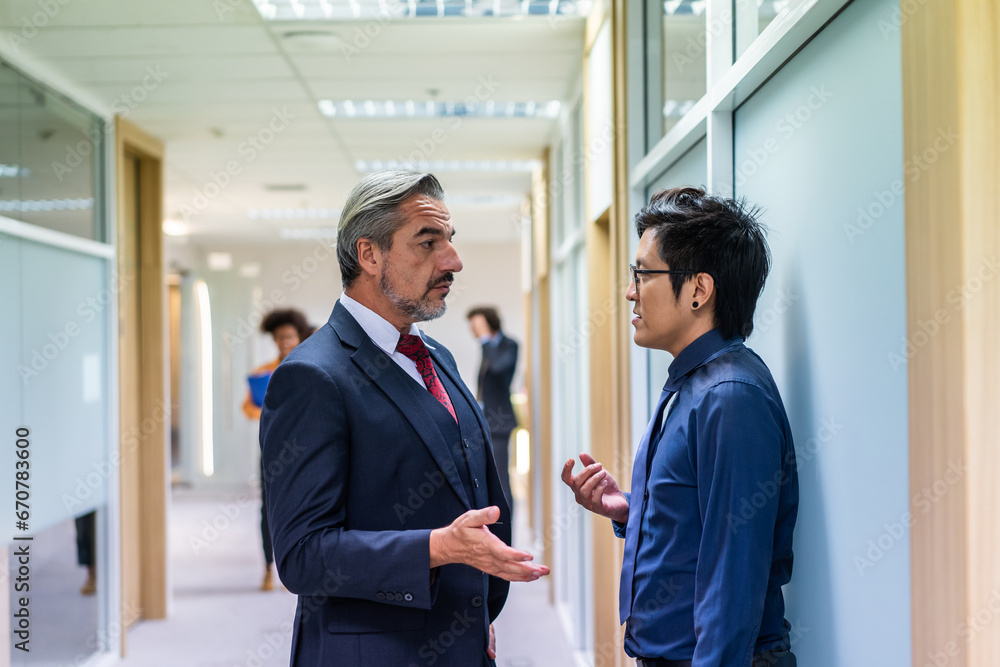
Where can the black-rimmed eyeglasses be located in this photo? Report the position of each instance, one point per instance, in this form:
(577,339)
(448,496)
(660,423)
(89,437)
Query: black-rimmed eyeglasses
(637,273)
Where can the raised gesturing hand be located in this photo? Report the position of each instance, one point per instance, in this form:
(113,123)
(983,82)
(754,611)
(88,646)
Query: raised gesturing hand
(595,489)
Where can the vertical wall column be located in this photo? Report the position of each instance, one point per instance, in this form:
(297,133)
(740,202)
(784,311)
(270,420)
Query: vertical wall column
(541,436)
(144,412)
(951,89)
(979,90)
(607,264)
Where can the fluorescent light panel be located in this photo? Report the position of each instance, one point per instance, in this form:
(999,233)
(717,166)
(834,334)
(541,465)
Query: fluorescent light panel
(349,10)
(13,171)
(46,204)
(365,166)
(207,409)
(432,109)
(522,451)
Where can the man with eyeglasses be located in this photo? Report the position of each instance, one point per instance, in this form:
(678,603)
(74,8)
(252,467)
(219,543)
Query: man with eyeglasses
(708,523)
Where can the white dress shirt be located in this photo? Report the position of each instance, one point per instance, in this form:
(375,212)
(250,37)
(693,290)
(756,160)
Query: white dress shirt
(385,335)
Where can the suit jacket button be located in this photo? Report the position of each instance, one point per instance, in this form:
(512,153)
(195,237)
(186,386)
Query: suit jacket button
(408,597)
(380,595)
(398,597)
(476,482)
(477,601)
(465,441)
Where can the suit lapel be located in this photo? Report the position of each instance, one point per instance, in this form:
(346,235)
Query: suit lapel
(401,390)
(456,379)
(491,467)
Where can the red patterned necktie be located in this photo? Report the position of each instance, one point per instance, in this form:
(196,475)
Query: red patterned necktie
(414,348)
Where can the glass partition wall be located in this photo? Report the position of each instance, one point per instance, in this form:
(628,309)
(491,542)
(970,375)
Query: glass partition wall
(797,105)
(58,285)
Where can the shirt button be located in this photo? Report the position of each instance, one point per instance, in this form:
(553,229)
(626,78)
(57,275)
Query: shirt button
(477,601)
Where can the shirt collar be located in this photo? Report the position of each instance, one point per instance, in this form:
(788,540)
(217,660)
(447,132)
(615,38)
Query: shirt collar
(379,329)
(698,353)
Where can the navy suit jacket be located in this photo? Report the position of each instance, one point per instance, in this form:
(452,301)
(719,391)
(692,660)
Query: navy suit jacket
(357,474)
(496,372)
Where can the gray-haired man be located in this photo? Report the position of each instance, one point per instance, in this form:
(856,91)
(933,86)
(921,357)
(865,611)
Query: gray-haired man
(388,519)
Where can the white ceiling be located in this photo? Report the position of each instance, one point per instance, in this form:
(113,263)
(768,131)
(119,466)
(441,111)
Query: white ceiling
(227,72)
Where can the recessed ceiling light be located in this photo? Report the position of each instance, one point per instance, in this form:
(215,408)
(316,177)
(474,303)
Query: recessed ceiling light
(175,228)
(220,261)
(312,40)
(448,165)
(435,109)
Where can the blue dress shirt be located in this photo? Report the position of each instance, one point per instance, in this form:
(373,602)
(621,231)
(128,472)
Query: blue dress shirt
(708,542)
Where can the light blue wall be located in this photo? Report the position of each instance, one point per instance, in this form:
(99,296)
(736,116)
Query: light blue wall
(55,378)
(833,308)
(11,386)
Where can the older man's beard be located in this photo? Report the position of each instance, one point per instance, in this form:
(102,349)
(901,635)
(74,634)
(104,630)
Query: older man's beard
(422,309)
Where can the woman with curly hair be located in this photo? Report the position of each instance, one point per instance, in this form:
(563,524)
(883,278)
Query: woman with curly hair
(288,327)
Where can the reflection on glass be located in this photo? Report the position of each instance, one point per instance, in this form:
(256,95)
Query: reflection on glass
(685,40)
(64,595)
(752,16)
(11,168)
(51,154)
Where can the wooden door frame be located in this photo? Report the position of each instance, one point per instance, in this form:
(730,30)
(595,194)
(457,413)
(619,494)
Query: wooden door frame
(146,455)
(609,351)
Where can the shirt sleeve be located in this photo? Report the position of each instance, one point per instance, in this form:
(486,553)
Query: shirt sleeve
(739,436)
(618,526)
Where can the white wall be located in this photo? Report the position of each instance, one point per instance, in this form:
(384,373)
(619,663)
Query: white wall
(491,277)
(305,275)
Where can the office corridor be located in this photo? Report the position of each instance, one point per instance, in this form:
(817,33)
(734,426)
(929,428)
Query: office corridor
(175,173)
(220,619)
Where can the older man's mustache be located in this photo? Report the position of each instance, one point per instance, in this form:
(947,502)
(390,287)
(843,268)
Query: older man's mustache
(444,281)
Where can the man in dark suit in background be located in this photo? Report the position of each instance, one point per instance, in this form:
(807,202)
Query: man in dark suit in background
(496,372)
(387,515)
